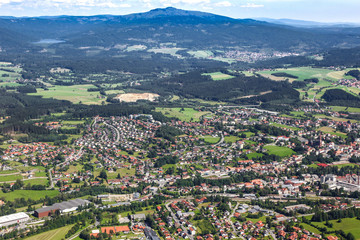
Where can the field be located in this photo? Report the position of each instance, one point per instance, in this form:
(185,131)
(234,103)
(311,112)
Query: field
(304,73)
(133,97)
(332,131)
(346,224)
(170,51)
(74,94)
(56,234)
(345,109)
(210,139)
(231,139)
(284,126)
(254,155)
(279,151)
(34,194)
(188,114)
(217,76)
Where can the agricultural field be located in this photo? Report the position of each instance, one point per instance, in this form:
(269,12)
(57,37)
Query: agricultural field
(279,151)
(184,114)
(33,194)
(231,139)
(345,109)
(74,94)
(254,155)
(56,234)
(332,131)
(284,126)
(218,76)
(305,73)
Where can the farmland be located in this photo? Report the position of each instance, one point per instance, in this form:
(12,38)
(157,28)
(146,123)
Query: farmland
(74,94)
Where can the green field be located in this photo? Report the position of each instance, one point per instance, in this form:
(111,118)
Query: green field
(75,94)
(56,234)
(9,178)
(305,73)
(332,131)
(170,51)
(231,139)
(188,114)
(345,109)
(347,225)
(284,126)
(254,155)
(279,151)
(210,139)
(217,76)
(33,194)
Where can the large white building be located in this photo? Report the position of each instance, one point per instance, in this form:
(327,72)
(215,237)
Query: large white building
(12,219)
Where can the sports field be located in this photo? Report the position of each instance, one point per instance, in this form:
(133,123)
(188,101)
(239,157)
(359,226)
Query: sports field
(75,94)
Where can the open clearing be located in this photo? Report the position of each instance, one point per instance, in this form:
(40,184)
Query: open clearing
(56,234)
(34,194)
(74,94)
(279,151)
(346,224)
(217,76)
(133,97)
(185,114)
(170,51)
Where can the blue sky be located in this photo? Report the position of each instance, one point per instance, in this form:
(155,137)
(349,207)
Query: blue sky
(315,10)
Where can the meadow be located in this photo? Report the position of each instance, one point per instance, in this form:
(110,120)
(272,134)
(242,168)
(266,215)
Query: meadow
(187,114)
(279,151)
(56,234)
(33,194)
(218,76)
(74,94)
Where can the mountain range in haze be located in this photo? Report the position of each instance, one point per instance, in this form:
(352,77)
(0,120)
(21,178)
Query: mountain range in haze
(185,29)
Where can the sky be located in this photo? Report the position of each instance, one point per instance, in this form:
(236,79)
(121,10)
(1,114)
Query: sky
(312,10)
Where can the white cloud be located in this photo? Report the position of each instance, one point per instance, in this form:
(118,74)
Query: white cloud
(223,4)
(193,2)
(3,2)
(252,5)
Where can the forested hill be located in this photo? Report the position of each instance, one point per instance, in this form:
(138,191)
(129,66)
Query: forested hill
(185,28)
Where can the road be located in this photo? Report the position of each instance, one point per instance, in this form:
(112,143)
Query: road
(221,140)
(116,130)
(177,221)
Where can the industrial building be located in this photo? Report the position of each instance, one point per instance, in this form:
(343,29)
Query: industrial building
(12,219)
(63,207)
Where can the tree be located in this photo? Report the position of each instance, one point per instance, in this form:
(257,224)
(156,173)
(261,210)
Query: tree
(103,174)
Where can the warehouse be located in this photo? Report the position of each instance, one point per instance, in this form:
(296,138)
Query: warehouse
(63,207)
(13,219)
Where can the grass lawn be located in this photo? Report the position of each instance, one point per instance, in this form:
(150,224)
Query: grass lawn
(231,139)
(150,211)
(218,76)
(210,139)
(204,225)
(123,172)
(37,181)
(347,225)
(345,165)
(254,155)
(188,114)
(284,126)
(56,234)
(347,109)
(310,228)
(10,178)
(280,151)
(74,94)
(33,194)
